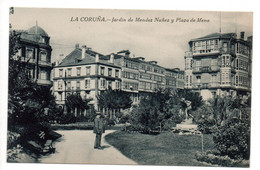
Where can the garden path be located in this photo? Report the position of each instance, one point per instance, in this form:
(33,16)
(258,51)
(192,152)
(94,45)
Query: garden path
(77,147)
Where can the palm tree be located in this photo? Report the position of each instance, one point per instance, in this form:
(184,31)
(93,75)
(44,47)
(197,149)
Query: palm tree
(114,100)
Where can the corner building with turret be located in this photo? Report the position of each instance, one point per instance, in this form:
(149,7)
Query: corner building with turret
(219,64)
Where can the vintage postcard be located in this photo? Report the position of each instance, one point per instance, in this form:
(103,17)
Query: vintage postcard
(129,87)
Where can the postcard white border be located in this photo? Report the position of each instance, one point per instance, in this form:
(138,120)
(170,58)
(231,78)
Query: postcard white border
(220,5)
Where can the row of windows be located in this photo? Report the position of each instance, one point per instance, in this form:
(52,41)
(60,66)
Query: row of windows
(242,81)
(131,64)
(241,65)
(78,73)
(130,85)
(130,75)
(151,69)
(149,86)
(171,82)
(29,53)
(242,49)
(103,84)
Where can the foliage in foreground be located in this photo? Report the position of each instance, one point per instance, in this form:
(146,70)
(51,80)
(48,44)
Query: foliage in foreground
(229,120)
(161,110)
(113,101)
(218,160)
(29,105)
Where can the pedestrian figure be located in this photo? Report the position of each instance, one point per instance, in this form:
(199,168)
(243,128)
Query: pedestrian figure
(99,128)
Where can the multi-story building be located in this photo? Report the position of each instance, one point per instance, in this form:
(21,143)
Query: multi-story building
(130,73)
(86,73)
(174,78)
(36,50)
(219,64)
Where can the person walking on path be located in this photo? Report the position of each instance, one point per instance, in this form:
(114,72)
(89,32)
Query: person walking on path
(99,128)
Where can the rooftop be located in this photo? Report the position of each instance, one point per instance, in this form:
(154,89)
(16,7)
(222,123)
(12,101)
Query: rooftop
(216,35)
(37,30)
(74,58)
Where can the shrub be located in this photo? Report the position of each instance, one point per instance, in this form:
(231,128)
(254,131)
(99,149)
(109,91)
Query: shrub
(220,160)
(233,138)
(168,125)
(124,118)
(66,118)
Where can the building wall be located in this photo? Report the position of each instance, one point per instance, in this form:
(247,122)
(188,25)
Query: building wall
(218,65)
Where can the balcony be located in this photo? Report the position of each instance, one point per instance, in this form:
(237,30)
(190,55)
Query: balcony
(30,60)
(205,85)
(227,51)
(45,63)
(216,51)
(206,69)
(205,52)
(44,82)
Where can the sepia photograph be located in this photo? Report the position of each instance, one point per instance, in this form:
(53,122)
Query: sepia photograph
(129,87)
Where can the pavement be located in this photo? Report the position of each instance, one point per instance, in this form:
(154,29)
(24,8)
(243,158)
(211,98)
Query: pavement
(77,147)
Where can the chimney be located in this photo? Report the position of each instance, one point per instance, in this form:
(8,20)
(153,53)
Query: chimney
(97,58)
(242,35)
(84,47)
(111,58)
(56,63)
(77,45)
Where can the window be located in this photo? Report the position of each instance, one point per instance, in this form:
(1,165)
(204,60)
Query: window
(60,72)
(198,79)
(69,85)
(87,83)
(87,71)
(187,79)
(214,78)
(110,72)
(43,75)
(43,56)
(78,71)
(78,85)
(29,53)
(225,47)
(236,80)
(59,84)
(117,73)
(102,69)
(117,84)
(69,72)
(109,84)
(102,83)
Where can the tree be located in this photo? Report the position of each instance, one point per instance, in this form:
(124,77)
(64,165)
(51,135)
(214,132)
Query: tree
(233,137)
(114,100)
(74,101)
(151,112)
(27,101)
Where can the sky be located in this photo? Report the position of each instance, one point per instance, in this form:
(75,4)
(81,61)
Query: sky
(165,42)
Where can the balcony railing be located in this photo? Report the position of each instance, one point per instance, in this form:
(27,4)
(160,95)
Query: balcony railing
(204,51)
(45,63)
(205,85)
(44,82)
(227,51)
(206,69)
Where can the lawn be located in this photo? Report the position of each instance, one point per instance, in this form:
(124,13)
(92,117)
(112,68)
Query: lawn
(166,148)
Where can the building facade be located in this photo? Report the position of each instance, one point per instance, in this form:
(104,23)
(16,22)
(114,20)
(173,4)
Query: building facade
(84,72)
(36,50)
(87,73)
(219,64)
